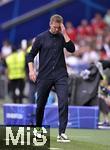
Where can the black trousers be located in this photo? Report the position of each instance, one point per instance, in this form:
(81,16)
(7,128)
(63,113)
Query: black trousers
(43,89)
(17,84)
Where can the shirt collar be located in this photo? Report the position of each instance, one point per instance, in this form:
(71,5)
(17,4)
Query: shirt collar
(52,35)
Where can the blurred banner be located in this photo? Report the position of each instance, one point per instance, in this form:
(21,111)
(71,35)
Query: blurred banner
(25,114)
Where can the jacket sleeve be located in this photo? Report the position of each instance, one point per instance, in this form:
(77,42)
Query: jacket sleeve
(69,46)
(35,49)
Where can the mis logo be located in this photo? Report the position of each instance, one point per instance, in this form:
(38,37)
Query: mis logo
(23,137)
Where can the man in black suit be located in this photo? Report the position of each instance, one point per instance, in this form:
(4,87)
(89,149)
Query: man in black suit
(52,71)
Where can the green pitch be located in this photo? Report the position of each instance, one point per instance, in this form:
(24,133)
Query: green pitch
(82,139)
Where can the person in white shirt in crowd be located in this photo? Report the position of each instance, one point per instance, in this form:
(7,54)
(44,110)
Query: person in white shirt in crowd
(107,17)
(6,49)
(90,54)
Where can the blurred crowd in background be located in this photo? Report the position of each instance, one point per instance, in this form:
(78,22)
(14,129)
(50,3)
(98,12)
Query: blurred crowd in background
(92,43)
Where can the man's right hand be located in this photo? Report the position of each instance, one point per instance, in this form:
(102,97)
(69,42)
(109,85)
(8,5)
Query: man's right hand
(32,75)
(32,72)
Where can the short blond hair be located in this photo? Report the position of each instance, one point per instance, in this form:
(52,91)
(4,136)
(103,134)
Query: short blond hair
(56,18)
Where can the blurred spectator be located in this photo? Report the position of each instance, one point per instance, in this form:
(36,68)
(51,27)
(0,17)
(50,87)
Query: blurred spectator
(107,45)
(24,44)
(104,102)
(90,55)
(1,66)
(103,46)
(71,62)
(6,48)
(107,17)
(98,23)
(104,94)
(15,71)
(71,31)
(84,29)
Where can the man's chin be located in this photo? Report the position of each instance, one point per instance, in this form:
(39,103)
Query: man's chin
(55,32)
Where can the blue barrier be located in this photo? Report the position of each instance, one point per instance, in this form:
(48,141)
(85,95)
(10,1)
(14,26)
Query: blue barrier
(25,114)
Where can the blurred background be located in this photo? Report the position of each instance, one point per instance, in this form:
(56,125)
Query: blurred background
(87,23)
